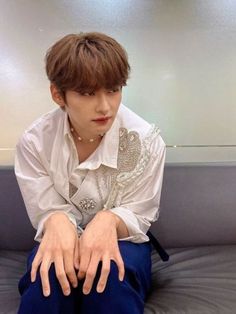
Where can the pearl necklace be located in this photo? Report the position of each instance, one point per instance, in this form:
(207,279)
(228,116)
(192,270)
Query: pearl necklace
(80,139)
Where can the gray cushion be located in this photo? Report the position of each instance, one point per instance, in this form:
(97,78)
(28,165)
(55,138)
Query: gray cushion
(12,267)
(195,281)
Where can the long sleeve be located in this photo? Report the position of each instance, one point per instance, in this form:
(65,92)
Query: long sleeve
(140,202)
(39,195)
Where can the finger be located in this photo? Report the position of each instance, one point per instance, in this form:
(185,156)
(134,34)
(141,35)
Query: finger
(104,274)
(44,268)
(35,265)
(83,265)
(76,255)
(90,274)
(61,275)
(69,267)
(121,267)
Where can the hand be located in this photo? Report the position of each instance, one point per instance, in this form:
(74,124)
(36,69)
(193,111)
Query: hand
(99,243)
(60,244)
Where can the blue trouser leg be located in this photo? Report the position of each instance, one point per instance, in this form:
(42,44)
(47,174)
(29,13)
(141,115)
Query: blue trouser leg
(125,297)
(32,299)
(118,298)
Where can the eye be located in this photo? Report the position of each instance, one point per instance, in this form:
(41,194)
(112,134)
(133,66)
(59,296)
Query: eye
(114,90)
(87,93)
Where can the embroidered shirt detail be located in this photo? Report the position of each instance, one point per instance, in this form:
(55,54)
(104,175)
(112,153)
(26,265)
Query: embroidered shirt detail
(129,150)
(133,158)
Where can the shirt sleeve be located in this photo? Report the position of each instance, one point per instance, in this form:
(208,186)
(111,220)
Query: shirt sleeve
(37,189)
(140,202)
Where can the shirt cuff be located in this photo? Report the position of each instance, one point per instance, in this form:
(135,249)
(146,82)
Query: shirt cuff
(136,235)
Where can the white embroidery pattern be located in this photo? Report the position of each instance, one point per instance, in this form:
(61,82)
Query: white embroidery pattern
(125,178)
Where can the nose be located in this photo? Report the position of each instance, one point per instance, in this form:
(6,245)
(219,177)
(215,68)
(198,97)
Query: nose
(103,106)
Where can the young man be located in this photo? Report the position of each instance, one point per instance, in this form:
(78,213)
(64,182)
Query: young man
(90,173)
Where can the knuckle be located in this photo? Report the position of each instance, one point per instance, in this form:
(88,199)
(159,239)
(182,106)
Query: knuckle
(120,262)
(35,263)
(40,249)
(82,270)
(65,287)
(68,249)
(106,270)
(33,268)
(122,266)
(86,287)
(60,275)
(90,274)
(98,248)
(81,274)
(43,271)
(89,245)
(56,251)
(102,283)
(70,272)
(44,285)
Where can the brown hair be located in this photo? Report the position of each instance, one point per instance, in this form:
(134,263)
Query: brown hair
(85,62)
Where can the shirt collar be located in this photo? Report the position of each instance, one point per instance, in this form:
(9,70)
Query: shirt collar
(106,153)
(66,128)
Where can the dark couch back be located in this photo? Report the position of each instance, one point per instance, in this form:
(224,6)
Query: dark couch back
(198,207)
(16,231)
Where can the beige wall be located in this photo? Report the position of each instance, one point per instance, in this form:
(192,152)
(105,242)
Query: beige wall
(182,54)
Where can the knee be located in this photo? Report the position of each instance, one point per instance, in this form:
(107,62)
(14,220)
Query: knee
(114,298)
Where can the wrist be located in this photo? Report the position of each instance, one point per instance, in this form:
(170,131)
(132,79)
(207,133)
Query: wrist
(56,218)
(121,228)
(115,220)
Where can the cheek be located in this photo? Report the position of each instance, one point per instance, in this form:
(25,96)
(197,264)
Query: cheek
(117,102)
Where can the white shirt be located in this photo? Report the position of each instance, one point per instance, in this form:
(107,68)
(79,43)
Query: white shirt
(123,175)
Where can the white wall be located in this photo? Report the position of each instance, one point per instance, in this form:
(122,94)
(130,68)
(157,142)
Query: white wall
(182,54)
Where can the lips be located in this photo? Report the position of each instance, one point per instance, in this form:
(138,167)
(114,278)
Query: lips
(102,119)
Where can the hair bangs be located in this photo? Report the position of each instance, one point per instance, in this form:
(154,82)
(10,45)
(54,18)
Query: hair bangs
(95,71)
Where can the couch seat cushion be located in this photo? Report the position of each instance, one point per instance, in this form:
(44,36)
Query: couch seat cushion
(12,267)
(199,280)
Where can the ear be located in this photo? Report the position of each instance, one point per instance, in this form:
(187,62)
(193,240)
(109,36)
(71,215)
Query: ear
(56,95)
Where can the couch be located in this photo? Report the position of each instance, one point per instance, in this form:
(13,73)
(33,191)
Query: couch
(197,227)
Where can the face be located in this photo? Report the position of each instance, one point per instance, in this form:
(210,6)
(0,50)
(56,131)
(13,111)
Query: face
(93,113)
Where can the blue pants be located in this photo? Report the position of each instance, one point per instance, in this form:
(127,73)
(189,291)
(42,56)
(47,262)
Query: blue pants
(126,297)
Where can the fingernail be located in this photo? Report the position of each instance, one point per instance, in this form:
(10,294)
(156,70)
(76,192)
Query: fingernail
(46,293)
(99,289)
(67,292)
(75,285)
